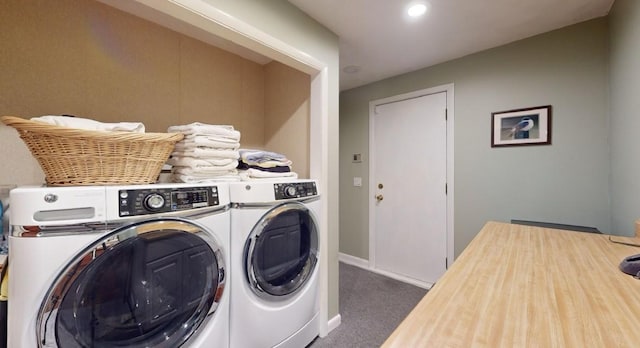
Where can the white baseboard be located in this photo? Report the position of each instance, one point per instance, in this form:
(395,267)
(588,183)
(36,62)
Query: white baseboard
(353,261)
(364,264)
(404,279)
(334,323)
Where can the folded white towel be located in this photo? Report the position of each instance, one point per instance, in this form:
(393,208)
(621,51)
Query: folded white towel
(206,153)
(197,163)
(251,174)
(198,128)
(203,162)
(88,124)
(203,172)
(191,141)
(216,178)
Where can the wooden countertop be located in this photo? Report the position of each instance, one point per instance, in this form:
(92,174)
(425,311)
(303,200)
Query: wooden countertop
(523,286)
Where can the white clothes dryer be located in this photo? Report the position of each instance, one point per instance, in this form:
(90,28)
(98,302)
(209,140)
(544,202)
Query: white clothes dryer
(274,258)
(119,266)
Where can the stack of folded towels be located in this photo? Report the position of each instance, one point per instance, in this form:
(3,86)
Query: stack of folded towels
(207,153)
(258,164)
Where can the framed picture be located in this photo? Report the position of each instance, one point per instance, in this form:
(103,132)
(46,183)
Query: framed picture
(530,126)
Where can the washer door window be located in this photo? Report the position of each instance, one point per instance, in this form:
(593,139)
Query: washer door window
(282,251)
(150,284)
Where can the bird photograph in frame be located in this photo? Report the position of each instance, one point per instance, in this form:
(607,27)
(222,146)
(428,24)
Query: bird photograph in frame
(528,126)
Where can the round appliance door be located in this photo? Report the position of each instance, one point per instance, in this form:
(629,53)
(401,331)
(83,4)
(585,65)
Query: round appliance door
(281,252)
(148,284)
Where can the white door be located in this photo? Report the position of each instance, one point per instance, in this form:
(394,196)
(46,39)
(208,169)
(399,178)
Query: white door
(409,172)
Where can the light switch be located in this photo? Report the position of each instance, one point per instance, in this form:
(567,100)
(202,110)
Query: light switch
(357,181)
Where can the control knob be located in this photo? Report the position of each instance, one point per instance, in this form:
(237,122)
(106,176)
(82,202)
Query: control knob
(290,191)
(154,201)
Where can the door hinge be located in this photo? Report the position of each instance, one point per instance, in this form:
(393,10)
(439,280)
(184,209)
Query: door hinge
(445,188)
(446,263)
(446,114)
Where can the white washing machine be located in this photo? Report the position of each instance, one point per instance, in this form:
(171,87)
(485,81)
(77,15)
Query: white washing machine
(274,258)
(119,266)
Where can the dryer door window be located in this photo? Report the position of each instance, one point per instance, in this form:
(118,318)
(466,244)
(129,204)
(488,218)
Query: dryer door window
(281,252)
(150,284)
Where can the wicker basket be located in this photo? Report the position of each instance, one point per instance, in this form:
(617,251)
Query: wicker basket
(71,156)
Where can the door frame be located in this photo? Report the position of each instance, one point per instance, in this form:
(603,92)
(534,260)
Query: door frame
(449,90)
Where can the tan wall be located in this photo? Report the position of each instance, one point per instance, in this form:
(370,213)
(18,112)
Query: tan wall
(287,114)
(87,59)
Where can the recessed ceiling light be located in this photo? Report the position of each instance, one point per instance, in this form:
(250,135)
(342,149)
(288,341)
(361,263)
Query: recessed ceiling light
(417,10)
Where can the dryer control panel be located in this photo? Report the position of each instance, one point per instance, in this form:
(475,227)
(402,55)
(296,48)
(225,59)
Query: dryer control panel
(164,200)
(291,190)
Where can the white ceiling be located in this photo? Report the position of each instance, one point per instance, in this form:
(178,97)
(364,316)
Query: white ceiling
(381,41)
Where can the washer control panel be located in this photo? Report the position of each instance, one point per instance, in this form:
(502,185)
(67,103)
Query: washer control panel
(291,190)
(165,200)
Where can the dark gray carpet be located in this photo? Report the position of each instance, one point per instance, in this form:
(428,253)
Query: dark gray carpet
(371,307)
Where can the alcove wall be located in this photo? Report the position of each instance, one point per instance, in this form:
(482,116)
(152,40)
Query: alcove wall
(88,59)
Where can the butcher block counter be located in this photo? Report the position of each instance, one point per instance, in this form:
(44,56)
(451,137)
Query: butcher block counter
(523,286)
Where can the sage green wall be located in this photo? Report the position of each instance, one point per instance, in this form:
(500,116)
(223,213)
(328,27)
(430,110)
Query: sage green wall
(566,182)
(625,114)
(282,20)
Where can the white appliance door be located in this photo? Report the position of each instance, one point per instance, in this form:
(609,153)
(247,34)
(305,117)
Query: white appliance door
(282,251)
(148,284)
